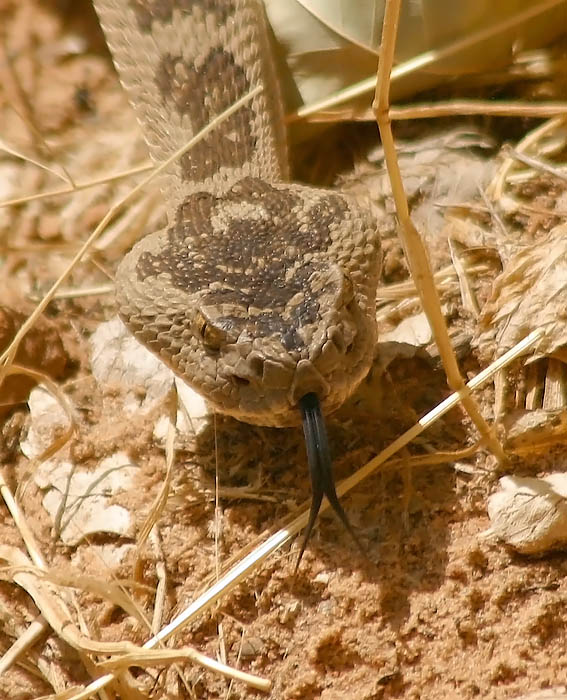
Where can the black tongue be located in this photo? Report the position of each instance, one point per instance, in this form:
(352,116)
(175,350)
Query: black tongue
(320,469)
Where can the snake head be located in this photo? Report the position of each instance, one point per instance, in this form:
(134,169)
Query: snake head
(258,297)
(318,342)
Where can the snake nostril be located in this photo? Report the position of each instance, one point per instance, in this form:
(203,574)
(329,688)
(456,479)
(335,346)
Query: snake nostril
(256,363)
(244,372)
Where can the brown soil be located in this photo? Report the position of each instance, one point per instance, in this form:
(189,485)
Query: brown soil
(433,611)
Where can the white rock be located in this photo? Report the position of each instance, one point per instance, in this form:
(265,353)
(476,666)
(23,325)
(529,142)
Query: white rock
(530,514)
(46,418)
(195,406)
(413,330)
(193,415)
(79,501)
(118,359)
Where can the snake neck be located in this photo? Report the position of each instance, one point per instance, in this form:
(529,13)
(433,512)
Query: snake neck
(183,64)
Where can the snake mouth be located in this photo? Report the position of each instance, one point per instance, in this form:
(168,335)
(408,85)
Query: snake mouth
(320,470)
(307,380)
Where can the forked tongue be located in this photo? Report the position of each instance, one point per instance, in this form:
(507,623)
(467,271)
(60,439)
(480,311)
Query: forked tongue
(320,469)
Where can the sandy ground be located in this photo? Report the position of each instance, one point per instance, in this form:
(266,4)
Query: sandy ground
(433,611)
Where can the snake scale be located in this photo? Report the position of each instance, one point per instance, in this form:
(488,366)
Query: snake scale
(259,293)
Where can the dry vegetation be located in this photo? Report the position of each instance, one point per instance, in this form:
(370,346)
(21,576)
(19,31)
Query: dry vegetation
(436,609)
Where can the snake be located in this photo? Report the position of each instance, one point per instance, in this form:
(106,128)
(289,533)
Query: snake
(260,293)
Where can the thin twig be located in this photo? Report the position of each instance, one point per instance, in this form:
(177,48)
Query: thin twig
(412,244)
(535,163)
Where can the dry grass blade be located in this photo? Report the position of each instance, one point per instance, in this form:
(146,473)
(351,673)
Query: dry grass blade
(467,294)
(308,112)
(99,290)
(49,601)
(21,524)
(30,637)
(411,242)
(161,499)
(103,180)
(535,164)
(161,575)
(40,164)
(498,186)
(493,108)
(449,108)
(162,657)
(114,591)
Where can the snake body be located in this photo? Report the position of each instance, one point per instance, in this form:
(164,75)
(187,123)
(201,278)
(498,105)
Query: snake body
(259,291)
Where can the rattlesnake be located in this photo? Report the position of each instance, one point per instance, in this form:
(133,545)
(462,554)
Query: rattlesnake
(260,293)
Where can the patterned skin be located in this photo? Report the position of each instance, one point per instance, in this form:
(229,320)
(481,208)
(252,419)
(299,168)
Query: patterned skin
(259,293)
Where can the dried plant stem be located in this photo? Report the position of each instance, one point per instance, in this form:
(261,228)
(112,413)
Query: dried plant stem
(414,249)
(76,186)
(39,164)
(447,108)
(496,188)
(40,623)
(535,163)
(161,499)
(17,97)
(498,108)
(25,641)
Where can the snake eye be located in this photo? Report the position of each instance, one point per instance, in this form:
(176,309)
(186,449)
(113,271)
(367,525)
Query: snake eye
(212,336)
(215,331)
